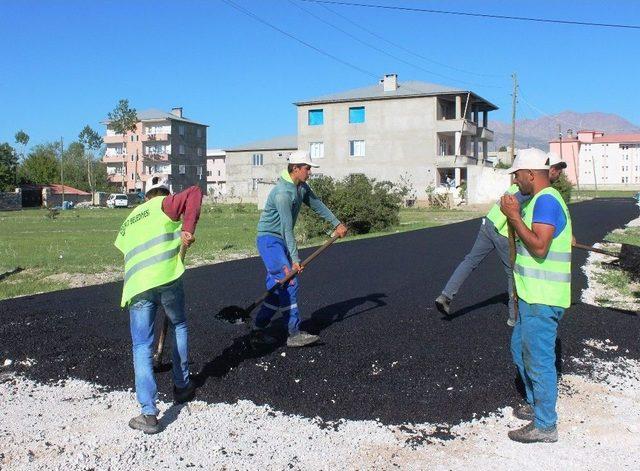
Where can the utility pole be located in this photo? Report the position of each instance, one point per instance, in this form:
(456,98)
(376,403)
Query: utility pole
(62,169)
(513,115)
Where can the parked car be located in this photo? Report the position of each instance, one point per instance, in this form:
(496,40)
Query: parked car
(117,200)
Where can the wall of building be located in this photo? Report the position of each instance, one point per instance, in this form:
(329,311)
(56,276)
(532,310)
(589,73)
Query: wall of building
(486,185)
(216,175)
(243,176)
(569,150)
(193,171)
(610,164)
(10,201)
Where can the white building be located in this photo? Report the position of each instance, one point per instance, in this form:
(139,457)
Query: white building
(216,172)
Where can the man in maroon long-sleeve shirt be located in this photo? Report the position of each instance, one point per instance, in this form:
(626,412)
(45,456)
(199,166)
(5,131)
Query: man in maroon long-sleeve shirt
(150,239)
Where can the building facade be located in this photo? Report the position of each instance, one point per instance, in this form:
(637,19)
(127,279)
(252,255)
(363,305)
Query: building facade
(216,173)
(250,164)
(598,159)
(422,132)
(162,143)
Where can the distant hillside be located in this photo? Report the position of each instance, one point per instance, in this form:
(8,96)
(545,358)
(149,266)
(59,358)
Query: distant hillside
(538,132)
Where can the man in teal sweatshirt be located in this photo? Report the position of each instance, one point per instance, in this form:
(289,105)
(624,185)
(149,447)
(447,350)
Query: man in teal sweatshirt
(278,248)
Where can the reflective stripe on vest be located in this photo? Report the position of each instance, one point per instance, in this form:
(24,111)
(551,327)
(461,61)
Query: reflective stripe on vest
(545,280)
(497,217)
(150,242)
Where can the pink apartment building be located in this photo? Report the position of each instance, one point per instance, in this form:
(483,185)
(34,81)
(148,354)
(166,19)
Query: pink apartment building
(216,172)
(595,158)
(162,143)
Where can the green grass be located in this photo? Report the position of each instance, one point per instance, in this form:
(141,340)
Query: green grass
(81,241)
(583,194)
(630,235)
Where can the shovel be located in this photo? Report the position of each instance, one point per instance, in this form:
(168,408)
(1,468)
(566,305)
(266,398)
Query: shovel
(628,258)
(239,315)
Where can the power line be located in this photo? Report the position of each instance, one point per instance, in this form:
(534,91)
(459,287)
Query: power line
(382,51)
(480,15)
(543,113)
(304,43)
(407,50)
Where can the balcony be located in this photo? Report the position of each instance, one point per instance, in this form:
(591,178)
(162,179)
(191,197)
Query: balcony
(152,158)
(451,126)
(113,158)
(485,134)
(450,161)
(159,137)
(113,139)
(115,177)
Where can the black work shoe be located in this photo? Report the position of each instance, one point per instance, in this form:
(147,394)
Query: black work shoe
(147,423)
(186,394)
(443,304)
(524,412)
(531,434)
(301,339)
(259,338)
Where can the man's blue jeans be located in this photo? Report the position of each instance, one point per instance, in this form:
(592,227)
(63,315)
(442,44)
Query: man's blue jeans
(488,239)
(277,261)
(533,347)
(142,314)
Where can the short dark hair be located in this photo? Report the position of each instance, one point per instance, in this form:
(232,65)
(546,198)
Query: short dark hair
(290,167)
(152,193)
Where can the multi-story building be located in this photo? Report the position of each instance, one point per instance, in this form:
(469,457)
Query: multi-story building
(422,131)
(598,159)
(162,143)
(216,172)
(249,164)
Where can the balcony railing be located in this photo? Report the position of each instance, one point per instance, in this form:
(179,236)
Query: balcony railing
(451,126)
(153,157)
(448,161)
(162,136)
(485,134)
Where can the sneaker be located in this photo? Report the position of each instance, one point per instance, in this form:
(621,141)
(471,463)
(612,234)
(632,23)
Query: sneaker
(147,423)
(260,338)
(186,394)
(443,304)
(532,434)
(524,412)
(302,339)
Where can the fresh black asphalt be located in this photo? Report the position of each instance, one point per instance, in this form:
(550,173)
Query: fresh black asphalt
(385,354)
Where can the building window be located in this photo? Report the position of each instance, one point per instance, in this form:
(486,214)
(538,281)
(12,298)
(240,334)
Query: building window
(181,129)
(254,183)
(199,152)
(199,132)
(356,114)
(181,169)
(316,117)
(356,148)
(218,172)
(316,150)
(257,160)
(132,176)
(181,149)
(199,171)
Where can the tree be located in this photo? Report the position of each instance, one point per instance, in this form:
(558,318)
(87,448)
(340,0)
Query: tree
(123,120)
(22,138)
(42,165)
(92,141)
(8,166)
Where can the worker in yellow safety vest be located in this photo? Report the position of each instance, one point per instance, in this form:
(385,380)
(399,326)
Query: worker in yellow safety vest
(542,275)
(150,239)
(492,236)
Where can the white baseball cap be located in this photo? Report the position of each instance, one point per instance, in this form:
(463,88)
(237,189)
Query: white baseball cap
(301,157)
(530,159)
(554,159)
(157,180)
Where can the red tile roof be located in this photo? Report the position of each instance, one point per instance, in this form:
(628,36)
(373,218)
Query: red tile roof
(56,189)
(617,138)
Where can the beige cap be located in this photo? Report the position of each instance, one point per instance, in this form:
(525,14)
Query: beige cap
(301,157)
(157,180)
(530,159)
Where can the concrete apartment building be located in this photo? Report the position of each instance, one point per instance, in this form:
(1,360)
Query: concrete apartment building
(216,172)
(598,159)
(422,131)
(162,143)
(259,161)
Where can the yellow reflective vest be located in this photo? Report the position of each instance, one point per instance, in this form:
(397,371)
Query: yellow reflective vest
(545,280)
(497,217)
(150,242)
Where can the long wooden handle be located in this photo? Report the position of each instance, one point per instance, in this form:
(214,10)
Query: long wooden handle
(291,274)
(512,260)
(594,249)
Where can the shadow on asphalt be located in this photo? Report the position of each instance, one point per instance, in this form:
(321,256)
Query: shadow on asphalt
(243,349)
(502,298)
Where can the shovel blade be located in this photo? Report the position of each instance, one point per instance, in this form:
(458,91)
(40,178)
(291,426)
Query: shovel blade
(233,315)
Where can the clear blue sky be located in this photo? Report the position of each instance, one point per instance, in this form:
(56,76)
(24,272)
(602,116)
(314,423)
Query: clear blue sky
(66,63)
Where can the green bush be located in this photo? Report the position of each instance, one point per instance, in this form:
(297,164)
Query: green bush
(362,203)
(564,187)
